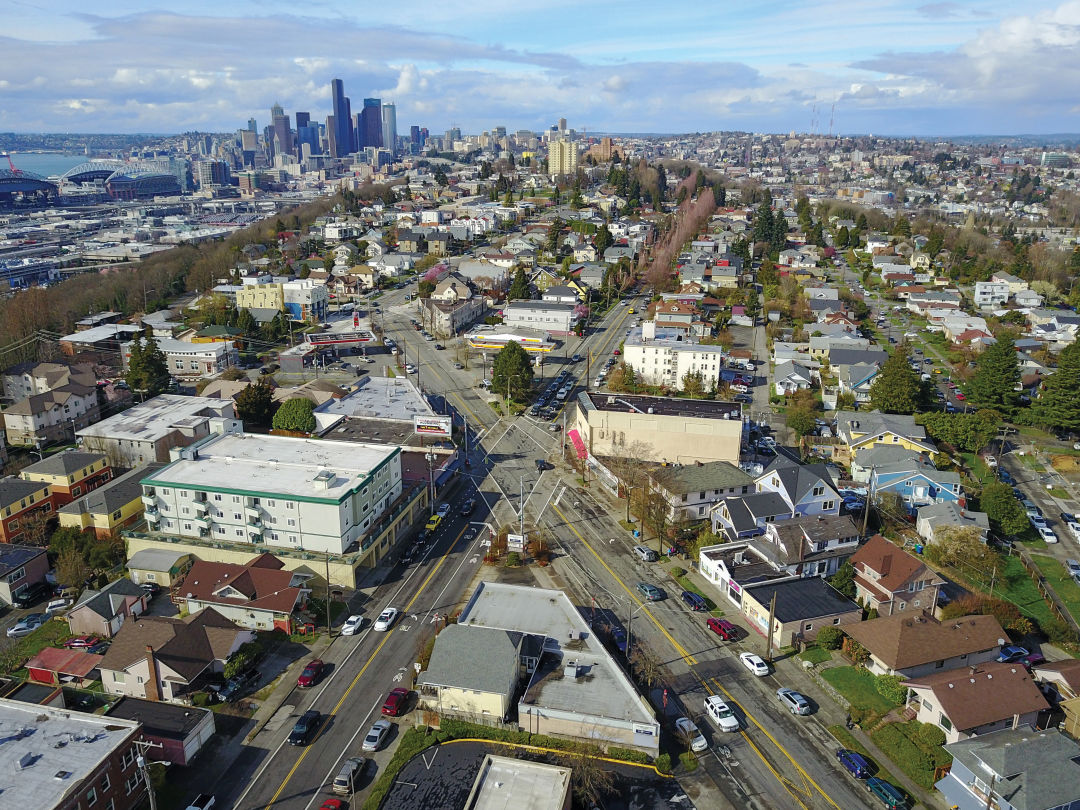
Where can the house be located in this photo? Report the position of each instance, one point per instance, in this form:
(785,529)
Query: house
(747,515)
(949,514)
(69,475)
(889,580)
(802,606)
(691,489)
(164,658)
(971,701)
(856,379)
(438,244)
(790,377)
(103,613)
(53,415)
(991,294)
(591,275)
(259,595)
(881,455)
(23,504)
(813,546)
(1015,769)
(58,665)
(917,483)
(473,672)
(26,379)
(554,318)
(485,275)
(110,507)
(161,566)
(176,733)
(1015,283)
(914,644)
(452,307)
(861,430)
(560,294)
(410,241)
(807,489)
(1026,299)
(20,567)
(613,254)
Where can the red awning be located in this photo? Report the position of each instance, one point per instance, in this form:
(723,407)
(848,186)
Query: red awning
(579,445)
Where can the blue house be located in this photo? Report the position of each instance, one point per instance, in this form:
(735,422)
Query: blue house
(918,483)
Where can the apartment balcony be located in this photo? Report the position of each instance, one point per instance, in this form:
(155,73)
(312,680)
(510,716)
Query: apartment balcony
(149,500)
(201,522)
(153,517)
(252,511)
(255,521)
(201,507)
(255,533)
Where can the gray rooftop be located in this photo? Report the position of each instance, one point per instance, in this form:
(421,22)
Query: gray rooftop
(60,747)
(476,658)
(64,463)
(158,417)
(662,406)
(113,495)
(380,398)
(155,559)
(679,479)
(802,599)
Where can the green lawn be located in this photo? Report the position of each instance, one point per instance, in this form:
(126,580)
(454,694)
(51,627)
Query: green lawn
(908,754)
(815,654)
(49,634)
(979,471)
(1058,578)
(848,741)
(858,686)
(1021,591)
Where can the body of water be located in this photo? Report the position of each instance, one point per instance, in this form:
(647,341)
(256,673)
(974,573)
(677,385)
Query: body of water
(46,164)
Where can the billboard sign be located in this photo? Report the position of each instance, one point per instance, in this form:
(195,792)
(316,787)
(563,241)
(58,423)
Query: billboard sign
(515,542)
(438,426)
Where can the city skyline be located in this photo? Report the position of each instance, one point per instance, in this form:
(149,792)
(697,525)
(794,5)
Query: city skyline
(947,68)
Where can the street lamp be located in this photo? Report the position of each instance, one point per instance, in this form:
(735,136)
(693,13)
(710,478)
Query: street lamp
(431,480)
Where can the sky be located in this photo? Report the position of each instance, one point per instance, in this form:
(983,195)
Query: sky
(887,67)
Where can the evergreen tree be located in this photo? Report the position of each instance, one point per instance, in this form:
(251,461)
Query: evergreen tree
(1058,406)
(512,367)
(295,416)
(147,369)
(763,223)
(719,195)
(1001,507)
(603,240)
(245,321)
(842,237)
(519,287)
(896,387)
(778,238)
(997,372)
(255,404)
(861,223)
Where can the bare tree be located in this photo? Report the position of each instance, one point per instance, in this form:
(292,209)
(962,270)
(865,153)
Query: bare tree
(655,514)
(629,469)
(645,667)
(72,568)
(35,528)
(590,777)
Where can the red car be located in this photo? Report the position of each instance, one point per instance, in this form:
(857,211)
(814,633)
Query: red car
(332,804)
(80,641)
(310,675)
(395,701)
(723,628)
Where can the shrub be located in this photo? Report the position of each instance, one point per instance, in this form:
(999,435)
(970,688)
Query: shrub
(1057,631)
(627,755)
(688,761)
(663,763)
(929,736)
(513,559)
(678,572)
(830,638)
(911,759)
(892,688)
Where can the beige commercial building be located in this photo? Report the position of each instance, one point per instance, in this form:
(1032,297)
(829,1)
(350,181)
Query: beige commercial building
(260,296)
(656,429)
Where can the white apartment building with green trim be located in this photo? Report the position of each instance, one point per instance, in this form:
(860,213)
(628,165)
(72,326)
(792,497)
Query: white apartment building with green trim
(274,491)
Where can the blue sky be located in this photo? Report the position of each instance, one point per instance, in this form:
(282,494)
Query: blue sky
(885,66)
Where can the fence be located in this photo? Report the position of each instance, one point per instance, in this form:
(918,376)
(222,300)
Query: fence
(1053,601)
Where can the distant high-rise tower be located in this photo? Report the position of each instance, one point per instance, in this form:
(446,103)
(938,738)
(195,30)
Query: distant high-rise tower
(303,119)
(562,158)
(343,136)
(252,126)
(282,140)
(371,123)
(389,127)
(562,125)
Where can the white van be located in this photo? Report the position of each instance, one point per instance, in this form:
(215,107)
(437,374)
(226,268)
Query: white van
(645,554)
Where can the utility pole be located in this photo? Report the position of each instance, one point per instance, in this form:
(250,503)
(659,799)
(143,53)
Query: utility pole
(866,507)
(144,768)
(769,631)
(328,632)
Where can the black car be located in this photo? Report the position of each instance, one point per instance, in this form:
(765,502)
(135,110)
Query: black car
(305,728)
(468,507)
(32,594)
(238,684)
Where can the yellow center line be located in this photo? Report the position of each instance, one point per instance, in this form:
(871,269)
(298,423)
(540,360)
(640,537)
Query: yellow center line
(691,660)
(337,707)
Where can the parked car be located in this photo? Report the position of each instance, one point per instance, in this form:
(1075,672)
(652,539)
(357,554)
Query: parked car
(352,625)
(890,796)
(442,510)
(854,763)
(27,625)
(376,735)
(152,589)
(795,702)
(1010,653)
(650,592)
(723,628)
(346,781)
(204,801)
(58,606)
(386,620)
(433,523)
(687,731)
(1047,534)
(645,554)
(694,601)
(754,663)
(395,701)
(305,728)
(310,676)
(238,684)
(31,595)
(721,713)
(80,642)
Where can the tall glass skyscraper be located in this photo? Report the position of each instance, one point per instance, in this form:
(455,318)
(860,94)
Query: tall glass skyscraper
(371,123)
(343,134)
(389,128)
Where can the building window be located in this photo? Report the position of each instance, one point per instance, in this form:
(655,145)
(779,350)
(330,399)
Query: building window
(91,797)
(18,573)
(116,514)
(939,664)
(128,758)
(808,627)
(836,620)
(819,491)
(945,723)
(164,492)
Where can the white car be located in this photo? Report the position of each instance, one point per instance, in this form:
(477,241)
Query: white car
(352,625)
(410,368)
(443,510)
(386,619)
(1047,534)
(689,732)
(721,713)
(739,388)
(754,663)
(58,606)
(376,735)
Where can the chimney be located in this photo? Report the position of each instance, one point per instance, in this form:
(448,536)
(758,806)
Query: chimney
(153,690)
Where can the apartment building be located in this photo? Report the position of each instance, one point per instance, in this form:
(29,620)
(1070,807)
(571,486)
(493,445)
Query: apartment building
(52,416)
(989,294)
(260,296)
(305,299)
(664,357)
(303,494)
(192,360)
(70,474)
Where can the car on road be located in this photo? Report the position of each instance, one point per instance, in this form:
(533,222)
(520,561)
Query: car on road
(27,625)
(345,782)
(1047,534)
(795,702)
(458,366)
(410,368)
(890,796)
(352,625)
(650,592)
(723,628)
(694,601)
(310,676)
(386,619)
(1071,523)
(395,701)
(959,396)
(58,605)
(376,735)
(442,510)
(688,732)
(433,523)
(305,728)
(721,713)
(204,801)
(468,507)
(1073,567)
(1010,653)
(854,763)
(746,399)
(439,347)
(754,663)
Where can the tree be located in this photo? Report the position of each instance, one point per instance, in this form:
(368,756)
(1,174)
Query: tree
(801,420)
(968,432)
(147,370)
(603,239)
(519,287)
(997,373)
(896,388)
(655,514)
(71,568)
(844,581)
(1058,405)
(245,321)
(842,237)
(255,404)
(694,385)
(295,416)
(512,368)
(1006,514)
(962,545)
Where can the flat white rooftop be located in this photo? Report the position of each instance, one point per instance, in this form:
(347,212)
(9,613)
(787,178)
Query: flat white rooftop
(290,467)
(517,784)
(669,339)
(46,752)
(380,398)
(159,416)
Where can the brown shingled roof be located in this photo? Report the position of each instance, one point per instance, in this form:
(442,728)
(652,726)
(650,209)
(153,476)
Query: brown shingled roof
(906,640)
(977,696)
(893,565)
(262,583)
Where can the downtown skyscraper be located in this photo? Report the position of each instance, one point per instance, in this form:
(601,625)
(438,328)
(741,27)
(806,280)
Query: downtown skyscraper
(371,127)
(341,126)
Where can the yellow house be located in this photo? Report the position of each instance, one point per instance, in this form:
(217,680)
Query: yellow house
(260,296)
(69,474)
(161,566)
(581,290)
(861,430)
(109,508)
(220,334)
(472,673)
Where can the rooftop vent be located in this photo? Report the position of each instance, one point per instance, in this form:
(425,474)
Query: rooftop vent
(570,669)
(323,479)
